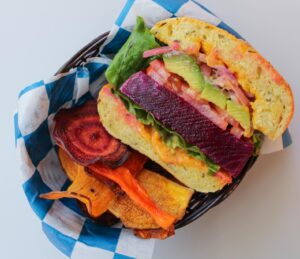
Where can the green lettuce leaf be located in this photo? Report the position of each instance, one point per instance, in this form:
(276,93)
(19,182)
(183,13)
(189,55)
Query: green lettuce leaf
(257,140)
(169,137)
(129,59)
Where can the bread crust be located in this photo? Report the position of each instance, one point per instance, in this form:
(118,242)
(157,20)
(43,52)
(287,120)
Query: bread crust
(273,107)
(124,126)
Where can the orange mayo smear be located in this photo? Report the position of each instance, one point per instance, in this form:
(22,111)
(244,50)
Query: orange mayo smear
(170,155)
(166,154)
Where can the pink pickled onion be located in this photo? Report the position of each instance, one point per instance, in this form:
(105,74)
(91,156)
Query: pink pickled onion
(175,45)
(233,83)
(202,58)
(240,95)
(157,51)
(225,71)
(206,70)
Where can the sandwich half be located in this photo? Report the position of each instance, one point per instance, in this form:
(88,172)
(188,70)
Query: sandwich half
(272,104)
(194,99)
(123,125)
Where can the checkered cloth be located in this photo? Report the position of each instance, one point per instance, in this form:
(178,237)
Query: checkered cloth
(65,225)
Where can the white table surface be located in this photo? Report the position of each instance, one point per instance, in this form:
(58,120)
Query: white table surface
(261,219)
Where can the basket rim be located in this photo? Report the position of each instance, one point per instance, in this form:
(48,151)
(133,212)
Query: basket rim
(79,55)
(200,203)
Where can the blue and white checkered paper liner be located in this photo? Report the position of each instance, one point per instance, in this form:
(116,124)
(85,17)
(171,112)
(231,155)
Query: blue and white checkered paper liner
(62,221)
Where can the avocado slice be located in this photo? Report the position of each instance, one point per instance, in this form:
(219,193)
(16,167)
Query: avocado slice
(240,113)
(186,67)
(214,95)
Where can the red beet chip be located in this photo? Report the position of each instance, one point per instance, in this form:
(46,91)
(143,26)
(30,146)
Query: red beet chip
(79,132)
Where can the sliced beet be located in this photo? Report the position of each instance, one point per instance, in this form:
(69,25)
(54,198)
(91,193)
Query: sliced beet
(112,159)
(175,113)
(79,132)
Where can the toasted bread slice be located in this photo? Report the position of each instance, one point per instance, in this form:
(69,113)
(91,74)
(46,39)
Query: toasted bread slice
(273,106)
(122,125)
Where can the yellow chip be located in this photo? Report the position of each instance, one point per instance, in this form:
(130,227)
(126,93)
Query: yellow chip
(85,188)
(67,164)
(167,195)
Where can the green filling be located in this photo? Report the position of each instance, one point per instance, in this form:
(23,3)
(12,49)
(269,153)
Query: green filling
(128,61)
(239,113)
(186,67)
(129,58)
(257,140)
(214,95)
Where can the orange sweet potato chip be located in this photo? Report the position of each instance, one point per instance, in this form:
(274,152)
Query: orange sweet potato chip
(154,233)
(135,163)
(99,198)
(171,197)
(86,188)
(137,194)
(69,166)
(93,193)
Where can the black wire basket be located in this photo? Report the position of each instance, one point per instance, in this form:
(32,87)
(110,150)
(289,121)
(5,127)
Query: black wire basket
(200,203)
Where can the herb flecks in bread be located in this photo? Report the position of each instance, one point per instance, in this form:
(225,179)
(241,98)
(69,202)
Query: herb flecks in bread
(123,125)
(273,106)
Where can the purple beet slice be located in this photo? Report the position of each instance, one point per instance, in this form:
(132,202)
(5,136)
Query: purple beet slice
(79,132)
(175,113)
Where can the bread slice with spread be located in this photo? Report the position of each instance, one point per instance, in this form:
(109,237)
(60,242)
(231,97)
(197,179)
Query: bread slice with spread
(121,124)
(195,99)
(273,103)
